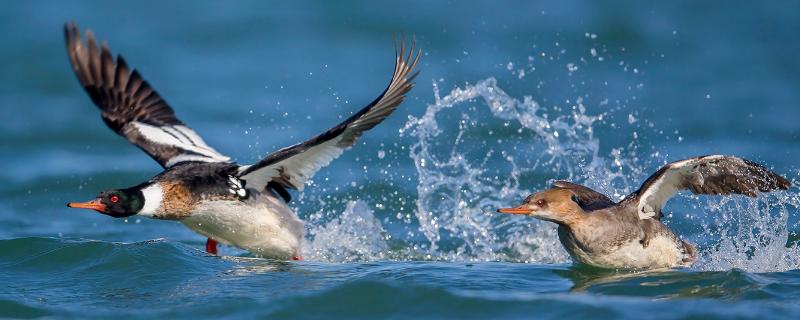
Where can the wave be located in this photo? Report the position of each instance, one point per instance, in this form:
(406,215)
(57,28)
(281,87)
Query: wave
(78,278)
(364,299)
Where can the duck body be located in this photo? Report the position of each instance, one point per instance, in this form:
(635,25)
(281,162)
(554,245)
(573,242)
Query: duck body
(264,226)
(629,234)
(241,205)
(617,241)
(211,200)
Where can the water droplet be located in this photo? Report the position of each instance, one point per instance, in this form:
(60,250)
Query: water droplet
(572,67)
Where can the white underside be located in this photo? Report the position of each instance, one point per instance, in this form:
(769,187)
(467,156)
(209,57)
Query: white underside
(652,199)
(298,168)
(268,229)
(662,252)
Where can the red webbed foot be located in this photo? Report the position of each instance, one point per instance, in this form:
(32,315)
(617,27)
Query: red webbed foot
(211,246)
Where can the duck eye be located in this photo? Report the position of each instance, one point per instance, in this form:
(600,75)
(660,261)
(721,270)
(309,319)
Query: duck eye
(540,202)
(114,198)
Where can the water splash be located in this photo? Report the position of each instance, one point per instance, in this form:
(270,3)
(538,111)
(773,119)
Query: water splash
(469,171)
(751,234)
(354,235)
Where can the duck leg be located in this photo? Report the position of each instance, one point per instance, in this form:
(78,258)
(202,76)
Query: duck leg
(211,246)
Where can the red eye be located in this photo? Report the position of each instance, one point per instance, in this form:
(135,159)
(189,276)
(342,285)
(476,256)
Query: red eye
(114,198)
(540,202)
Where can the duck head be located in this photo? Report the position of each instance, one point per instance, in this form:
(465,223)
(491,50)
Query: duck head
(557,205)
(116,203)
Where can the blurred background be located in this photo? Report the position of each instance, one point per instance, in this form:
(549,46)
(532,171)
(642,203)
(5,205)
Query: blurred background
(660,82)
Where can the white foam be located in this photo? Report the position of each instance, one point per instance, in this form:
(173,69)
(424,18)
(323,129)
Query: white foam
(751,233)
(354,235)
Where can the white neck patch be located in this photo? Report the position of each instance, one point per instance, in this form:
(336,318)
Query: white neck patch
(153,194)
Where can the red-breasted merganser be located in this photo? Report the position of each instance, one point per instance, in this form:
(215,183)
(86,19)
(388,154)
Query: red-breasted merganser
(241,205)
(629,234)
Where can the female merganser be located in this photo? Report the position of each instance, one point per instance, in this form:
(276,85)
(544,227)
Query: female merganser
(241,205)
(629,234)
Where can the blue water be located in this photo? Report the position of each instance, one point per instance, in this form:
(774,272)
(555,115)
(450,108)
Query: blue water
(511,96)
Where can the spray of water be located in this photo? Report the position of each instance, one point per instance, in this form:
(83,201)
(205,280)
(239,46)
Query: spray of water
(464,177)
(478,148)
(354,235)
(750,234)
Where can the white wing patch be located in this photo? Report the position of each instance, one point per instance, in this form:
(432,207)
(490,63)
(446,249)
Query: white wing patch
(189,157)
(236,187)
(298,168)
(182,137)
(654,197)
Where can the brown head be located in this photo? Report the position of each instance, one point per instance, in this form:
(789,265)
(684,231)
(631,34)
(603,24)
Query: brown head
(557,205)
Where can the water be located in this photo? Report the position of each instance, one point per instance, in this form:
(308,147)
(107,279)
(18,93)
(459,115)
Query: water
(510,98)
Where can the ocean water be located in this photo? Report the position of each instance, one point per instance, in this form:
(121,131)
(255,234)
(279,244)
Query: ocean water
(511,96)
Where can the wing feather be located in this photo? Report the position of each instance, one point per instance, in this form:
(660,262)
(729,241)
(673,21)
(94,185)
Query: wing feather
(713,174)
(588,199)
(291,167)
(130,107)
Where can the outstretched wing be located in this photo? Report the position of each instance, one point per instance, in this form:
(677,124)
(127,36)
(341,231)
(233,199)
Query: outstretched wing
(588,199)
(714,174)
(130,107)
(291,167)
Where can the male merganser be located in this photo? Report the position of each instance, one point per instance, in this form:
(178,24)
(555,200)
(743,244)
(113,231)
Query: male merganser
(629,234)
(241,205)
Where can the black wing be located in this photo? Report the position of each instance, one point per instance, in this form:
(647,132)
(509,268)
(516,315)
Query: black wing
(291,167)
(714,174)
(130,107)
(588,199)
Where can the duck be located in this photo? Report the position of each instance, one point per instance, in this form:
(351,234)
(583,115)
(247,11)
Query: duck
(244,206)
(630,234)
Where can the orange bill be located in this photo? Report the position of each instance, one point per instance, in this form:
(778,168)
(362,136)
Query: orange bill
(94,205)
(518,210)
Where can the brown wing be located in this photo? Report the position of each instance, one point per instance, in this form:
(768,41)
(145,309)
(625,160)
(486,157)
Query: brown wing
(588,199)
(130,107)
(293,166)
(713,174)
